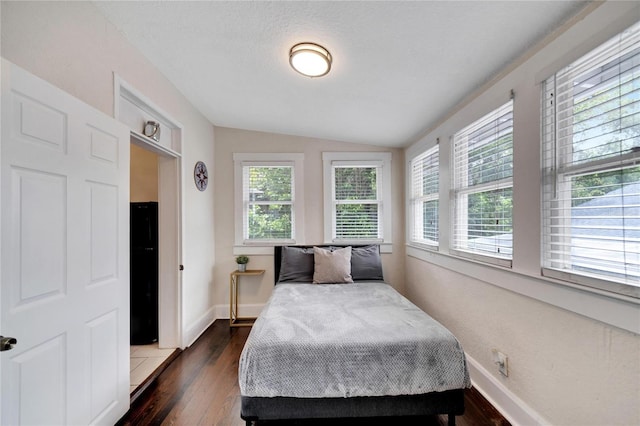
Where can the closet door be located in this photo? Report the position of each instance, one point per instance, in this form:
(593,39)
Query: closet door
(64,257)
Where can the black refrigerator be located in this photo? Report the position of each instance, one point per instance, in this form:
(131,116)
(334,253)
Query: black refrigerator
(144,273)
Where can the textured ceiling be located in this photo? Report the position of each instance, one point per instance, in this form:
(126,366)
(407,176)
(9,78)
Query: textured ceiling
(398,67)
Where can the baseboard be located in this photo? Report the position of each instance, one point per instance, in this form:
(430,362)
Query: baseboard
(515,410)
(199,326)
(250,310)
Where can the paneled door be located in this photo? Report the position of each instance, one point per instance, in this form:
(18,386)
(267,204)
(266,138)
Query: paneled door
(64,179)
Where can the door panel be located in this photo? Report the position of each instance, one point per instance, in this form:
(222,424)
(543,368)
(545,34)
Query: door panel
(64,181)
(39,243)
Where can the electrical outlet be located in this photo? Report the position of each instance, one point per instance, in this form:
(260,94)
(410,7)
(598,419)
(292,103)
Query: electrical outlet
(502,361)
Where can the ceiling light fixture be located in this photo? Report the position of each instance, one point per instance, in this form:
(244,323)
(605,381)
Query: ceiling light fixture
(310,59)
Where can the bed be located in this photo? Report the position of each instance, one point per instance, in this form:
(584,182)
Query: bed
(355,349)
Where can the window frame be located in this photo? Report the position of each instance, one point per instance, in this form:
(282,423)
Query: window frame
(416,201)
(558,170)
(460,191)
(242,160)
(382,160)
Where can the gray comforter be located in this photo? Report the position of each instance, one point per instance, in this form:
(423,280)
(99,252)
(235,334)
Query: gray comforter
(362,339)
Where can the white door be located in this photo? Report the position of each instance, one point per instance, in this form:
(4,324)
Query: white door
(64,257)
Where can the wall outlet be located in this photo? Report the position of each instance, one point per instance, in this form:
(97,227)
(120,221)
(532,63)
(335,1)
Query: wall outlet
(502,361)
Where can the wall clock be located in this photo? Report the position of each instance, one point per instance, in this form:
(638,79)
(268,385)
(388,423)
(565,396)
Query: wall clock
(152,130)
(201,176)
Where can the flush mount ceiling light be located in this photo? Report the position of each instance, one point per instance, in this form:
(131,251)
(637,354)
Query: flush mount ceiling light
(310,59)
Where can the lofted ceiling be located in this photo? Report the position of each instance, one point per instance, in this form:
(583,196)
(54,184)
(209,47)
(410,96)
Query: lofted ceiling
(398,67)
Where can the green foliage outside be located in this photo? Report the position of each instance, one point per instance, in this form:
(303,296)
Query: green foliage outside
(490,213)
(269,217)
(587,187)
(606,124)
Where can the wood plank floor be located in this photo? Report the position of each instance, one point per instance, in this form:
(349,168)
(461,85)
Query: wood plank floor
(200,387)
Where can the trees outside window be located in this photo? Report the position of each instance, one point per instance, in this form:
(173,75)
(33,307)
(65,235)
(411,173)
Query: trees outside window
(269,199)
(483,187)
(357,197)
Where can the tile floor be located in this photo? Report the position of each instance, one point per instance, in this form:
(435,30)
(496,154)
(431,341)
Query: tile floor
(144,360)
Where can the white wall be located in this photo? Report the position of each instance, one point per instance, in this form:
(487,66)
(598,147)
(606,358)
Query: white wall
(568,368)
(71,45)
(255,291)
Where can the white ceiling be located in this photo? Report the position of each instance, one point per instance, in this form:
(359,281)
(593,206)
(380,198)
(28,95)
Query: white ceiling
(398,67)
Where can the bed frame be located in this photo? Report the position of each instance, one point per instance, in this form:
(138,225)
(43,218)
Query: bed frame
(254,409)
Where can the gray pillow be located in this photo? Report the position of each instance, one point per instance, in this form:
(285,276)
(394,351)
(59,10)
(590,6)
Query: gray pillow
(332,267)
(366,263)
(296,264)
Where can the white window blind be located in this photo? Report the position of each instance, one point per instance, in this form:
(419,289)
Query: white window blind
(591,160)
(483,187)
(424,197)
(356,201)
(268,202)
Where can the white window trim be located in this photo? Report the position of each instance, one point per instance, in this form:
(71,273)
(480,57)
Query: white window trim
(359,159)
(275,159)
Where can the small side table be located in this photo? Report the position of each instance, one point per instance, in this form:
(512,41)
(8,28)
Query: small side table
(234,280)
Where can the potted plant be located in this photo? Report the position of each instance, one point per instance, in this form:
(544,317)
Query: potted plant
(242,263)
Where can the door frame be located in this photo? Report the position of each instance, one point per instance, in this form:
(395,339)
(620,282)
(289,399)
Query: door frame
(133,109)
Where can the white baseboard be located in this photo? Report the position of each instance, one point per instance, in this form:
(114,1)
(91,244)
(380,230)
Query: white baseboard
(249,310)
(199,326)
(515,410)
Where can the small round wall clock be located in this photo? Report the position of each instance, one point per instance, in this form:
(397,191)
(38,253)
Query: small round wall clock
(201,176)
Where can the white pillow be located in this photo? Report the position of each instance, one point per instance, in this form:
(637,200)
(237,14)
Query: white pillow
(332,266)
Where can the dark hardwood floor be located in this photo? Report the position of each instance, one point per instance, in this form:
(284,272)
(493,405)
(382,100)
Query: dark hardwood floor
(200,387)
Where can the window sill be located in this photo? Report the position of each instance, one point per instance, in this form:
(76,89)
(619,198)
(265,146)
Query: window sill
(613,309)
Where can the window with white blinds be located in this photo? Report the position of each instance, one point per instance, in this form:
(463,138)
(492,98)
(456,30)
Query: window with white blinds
(356,201)
(483,188)
(591,160)
(357,187)
(269,204)
(268,196)
(424,198)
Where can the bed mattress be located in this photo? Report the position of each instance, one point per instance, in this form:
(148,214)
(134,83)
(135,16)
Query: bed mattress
(348,340)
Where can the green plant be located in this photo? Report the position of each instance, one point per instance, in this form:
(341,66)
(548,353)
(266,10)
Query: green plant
(242,260)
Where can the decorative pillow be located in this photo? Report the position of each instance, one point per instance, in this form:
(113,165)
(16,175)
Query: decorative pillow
(296,264)
(366,263)
(332,266)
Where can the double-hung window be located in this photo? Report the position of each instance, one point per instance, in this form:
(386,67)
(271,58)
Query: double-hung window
(483,188)
(423,216)
(591,160)
(268,198)
(357,197)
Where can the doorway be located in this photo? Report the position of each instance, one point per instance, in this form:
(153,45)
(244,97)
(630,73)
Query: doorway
(145,354)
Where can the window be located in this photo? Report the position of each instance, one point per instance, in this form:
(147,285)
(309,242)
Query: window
(483,187)
(268,198)
(591,157)
(357,197)
(424,198)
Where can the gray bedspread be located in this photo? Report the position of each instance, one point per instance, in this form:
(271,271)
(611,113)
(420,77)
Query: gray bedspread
(362,339)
